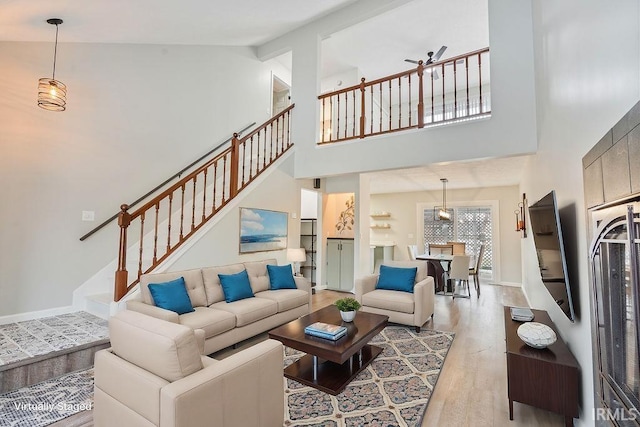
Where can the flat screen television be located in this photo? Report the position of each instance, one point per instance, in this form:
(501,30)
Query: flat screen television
(544,219)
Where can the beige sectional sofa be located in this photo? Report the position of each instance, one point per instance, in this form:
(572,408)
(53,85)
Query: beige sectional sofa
(225,324)
(154,375)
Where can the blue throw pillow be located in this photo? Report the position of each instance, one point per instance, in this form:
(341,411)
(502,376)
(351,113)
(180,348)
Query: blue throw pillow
(397,278)
(171,296)
(281,277)
(236,286)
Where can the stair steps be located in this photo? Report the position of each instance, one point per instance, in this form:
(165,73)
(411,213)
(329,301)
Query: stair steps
(36,350)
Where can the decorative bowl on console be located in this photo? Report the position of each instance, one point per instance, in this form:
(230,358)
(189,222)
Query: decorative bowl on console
(536,334)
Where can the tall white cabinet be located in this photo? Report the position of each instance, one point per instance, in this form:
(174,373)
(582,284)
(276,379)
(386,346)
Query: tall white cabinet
(340,254)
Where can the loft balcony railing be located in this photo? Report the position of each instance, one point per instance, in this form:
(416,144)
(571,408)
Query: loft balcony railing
(454,89)
(164,223)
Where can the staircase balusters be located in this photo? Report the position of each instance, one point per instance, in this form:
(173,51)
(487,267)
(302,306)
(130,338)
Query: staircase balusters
(466,72)
(169,222)
(155,233)
(193,205)
(399,102)
(181,211)
(231,174)
(390,103)
(204,194)
(342,119)
(142,216)
(480,79)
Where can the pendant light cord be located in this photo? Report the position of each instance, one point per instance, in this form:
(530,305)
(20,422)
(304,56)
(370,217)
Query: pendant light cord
(444,195)
(55,54)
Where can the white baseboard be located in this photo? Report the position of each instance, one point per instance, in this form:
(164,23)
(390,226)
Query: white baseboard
(513,284)
(21,317)
(526,297)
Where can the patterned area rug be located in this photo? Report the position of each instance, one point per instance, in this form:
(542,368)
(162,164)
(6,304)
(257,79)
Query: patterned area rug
(49,401)
(394,390)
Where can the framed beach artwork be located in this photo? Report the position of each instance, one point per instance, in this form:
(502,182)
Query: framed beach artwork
(262,230)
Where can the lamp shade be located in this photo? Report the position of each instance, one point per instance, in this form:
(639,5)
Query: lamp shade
(296,255)
(52,94)
(442,214)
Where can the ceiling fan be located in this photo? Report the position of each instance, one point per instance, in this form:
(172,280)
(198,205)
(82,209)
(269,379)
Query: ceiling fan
(431,58)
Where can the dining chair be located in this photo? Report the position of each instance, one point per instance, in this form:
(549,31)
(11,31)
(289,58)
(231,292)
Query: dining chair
(459,248)
(439,249)
(413,252)
(475,270)
(460,272)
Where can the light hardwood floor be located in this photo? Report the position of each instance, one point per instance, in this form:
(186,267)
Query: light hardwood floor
(472,388)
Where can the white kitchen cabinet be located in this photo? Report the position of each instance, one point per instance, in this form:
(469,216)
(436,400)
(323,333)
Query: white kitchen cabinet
(340,264)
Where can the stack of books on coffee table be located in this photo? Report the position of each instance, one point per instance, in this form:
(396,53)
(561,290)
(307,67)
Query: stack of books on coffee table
(325,330)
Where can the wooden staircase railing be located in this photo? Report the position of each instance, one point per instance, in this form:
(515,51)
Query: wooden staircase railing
(164,223)
(454,89)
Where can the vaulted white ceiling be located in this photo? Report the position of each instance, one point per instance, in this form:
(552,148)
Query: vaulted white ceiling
(192,22)
(378,46)
(375,47)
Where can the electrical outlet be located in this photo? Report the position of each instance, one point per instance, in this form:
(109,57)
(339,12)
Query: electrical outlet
(294,215)
(88,216)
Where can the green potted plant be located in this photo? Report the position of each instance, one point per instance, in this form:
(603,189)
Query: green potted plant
(348,307)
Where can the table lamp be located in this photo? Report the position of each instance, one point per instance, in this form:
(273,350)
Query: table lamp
(296,256)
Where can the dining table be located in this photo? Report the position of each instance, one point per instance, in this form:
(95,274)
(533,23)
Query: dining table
(439,267)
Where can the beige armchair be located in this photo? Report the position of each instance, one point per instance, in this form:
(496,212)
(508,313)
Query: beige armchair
(154,375)
(407,308)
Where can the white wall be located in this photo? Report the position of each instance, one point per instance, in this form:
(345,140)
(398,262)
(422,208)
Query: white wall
(404,220)
(588,76)
(308,204)
(220,246)
(510,131)
(136,114)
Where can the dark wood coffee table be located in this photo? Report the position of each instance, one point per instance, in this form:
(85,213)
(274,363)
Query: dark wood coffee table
(330,365)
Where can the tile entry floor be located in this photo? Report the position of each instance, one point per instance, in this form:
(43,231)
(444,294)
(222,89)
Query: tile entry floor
(22,340)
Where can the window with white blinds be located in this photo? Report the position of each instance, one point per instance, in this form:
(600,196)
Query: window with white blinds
(470,224)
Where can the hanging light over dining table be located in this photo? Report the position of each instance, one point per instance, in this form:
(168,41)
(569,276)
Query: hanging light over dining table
(443,213)
(52,93)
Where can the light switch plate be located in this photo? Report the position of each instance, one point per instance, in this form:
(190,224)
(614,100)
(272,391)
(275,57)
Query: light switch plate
(88,216)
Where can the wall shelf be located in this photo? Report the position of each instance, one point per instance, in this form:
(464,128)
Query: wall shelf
(309,241)
(379,225)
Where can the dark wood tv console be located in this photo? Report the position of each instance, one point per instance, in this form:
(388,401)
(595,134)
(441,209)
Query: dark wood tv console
(548,378)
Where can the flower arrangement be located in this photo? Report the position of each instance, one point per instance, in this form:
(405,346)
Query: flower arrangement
(347,304)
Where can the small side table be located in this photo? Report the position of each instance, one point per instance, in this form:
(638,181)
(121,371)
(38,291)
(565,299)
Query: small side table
(546,378)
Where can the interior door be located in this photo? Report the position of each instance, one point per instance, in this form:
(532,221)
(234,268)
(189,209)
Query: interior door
(346,265)
(281,98)
(333,264)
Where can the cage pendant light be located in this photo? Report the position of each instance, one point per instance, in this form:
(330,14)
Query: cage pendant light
(443,213)
(52,94)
